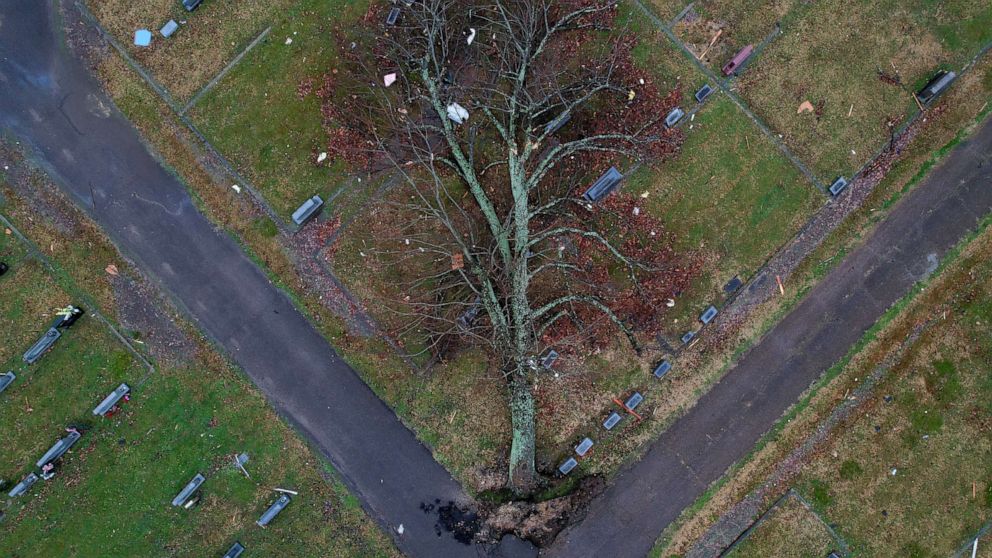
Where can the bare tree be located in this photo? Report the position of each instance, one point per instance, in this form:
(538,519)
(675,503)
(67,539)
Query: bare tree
(475,124)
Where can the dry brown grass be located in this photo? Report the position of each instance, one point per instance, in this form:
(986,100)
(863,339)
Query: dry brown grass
(789,531)
(207,39)
(741,22)
(832,56)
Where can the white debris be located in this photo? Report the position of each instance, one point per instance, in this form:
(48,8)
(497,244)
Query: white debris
(692,117)
(894,471)
(645,194)
(388,79)
(471,35)
(637,211)
(400,529)
(457,113)
(670,303)
(321,156)
(236,188)
(289,40)
(641,81)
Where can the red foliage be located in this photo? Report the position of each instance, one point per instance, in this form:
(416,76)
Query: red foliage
(642,239)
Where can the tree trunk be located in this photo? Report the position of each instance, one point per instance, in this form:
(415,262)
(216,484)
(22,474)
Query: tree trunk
(523,475)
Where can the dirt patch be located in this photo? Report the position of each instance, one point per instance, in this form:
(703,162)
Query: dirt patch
(541,522)
(145,315)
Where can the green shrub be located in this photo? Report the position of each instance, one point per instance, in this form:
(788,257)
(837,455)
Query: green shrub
(849,469)
(821,493)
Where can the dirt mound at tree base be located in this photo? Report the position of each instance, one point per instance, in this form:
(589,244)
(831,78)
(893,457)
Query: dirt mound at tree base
(540,522)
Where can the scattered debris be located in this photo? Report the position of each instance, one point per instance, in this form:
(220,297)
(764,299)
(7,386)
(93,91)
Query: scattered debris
(236,188)
(805,106)
(457,262)
(781,288)
(111,269)
(289,40)
(389,79)
(457,113)
(471,35)
(321,156)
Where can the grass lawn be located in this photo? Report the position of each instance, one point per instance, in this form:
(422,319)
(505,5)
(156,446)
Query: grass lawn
(832,55)
(255,117)
(790,530)
(86,363)
(115,486)
(207,39)
(730,197)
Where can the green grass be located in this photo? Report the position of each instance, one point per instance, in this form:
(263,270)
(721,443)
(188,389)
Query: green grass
(835,66)
(256,119)
(730,196)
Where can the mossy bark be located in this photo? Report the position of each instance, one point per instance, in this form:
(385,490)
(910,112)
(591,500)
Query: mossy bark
(523,474)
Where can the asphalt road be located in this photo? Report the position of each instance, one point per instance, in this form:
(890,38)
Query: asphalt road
(727,421)
(49,102)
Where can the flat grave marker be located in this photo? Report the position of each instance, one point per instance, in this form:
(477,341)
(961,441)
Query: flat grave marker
(274,510)
(59,448)
(612,420)
(23,486)
(707,316)
(603,185)
(583,448)
(235,551)
(6,379)
(567,466)
(188,491)
(633,401)
(110,401)
(307,210)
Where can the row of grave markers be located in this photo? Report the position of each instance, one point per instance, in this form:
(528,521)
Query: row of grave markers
(632,402)
(44,468)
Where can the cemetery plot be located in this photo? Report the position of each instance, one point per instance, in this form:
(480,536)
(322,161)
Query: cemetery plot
(206,40)
(119,477)
(62,387)
(262,119)
(730,197)
(840,78)
(788,530)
